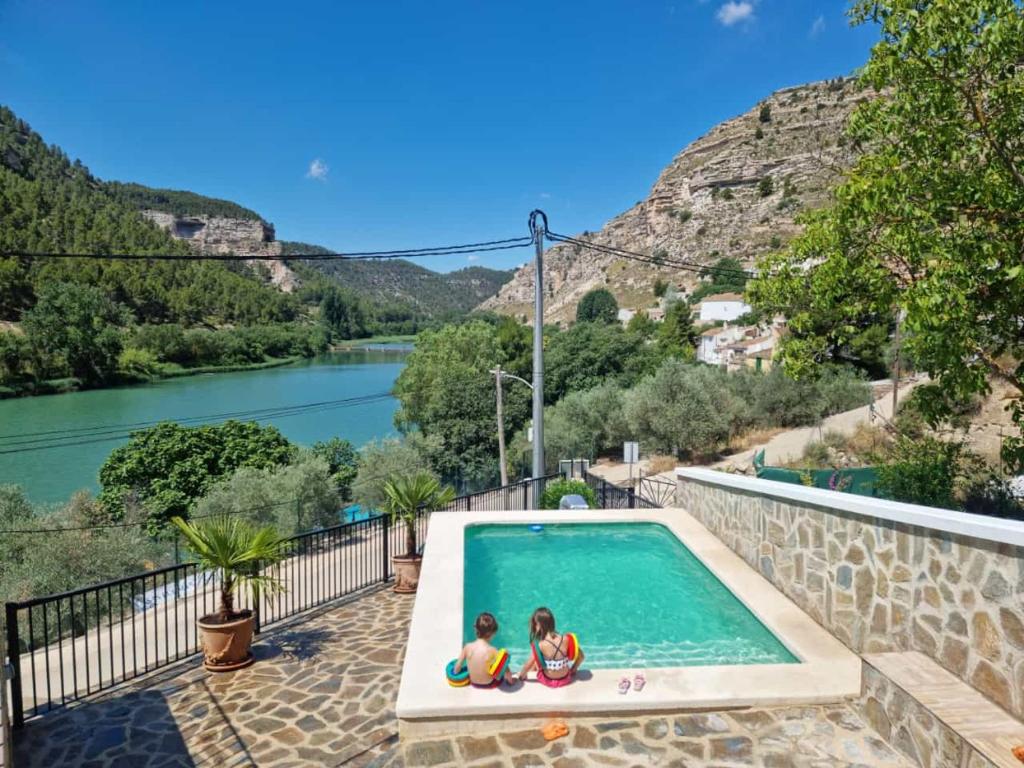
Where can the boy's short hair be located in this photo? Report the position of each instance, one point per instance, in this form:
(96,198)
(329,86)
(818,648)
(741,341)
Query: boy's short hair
(485,625)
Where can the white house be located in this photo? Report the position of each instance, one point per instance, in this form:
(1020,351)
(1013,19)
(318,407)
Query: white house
(625,315)
(722,307)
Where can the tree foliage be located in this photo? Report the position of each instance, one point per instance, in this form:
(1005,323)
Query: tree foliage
(167,468)
(77,325)
(380,460)
(342,464)
(293,498)
(590,353)
(597,306)
(677,334)
(927,225)
(447,392)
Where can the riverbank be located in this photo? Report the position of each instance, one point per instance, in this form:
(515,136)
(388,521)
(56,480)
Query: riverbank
(351,344)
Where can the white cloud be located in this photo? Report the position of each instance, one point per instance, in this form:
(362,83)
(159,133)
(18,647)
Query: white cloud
(817,27)
(473,257)
(545,195)
(317,170)
(734,12)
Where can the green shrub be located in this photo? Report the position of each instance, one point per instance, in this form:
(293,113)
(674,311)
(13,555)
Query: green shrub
(922,471)
(555,490)
(765,113)
(137,362)
(293,498)
(817,454)
(766,186)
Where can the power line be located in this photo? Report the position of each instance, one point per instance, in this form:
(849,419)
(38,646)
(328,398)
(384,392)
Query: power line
(182,419)
(666,261)
(43,444)
(409,253)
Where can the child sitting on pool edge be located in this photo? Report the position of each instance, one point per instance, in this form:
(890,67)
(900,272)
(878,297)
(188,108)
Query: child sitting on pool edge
(488,666)
(556,657)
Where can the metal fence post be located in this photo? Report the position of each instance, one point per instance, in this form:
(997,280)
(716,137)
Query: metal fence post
(631,496)
(257,611)
(14,659)
(386,543)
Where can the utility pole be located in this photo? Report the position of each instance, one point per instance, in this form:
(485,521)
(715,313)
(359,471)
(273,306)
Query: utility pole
(538,223)
(501,426)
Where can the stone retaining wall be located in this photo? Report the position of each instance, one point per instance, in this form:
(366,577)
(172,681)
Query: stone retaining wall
(880,585)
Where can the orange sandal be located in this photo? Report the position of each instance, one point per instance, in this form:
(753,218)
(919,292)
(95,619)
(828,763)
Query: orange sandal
(553,731)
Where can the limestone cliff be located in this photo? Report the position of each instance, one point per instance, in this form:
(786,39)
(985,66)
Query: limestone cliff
(710,201)
(221,234)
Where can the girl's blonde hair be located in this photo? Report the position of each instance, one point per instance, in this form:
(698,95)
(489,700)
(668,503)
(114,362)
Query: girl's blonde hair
(542,623)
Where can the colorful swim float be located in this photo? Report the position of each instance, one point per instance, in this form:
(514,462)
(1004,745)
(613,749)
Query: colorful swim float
(496,669)
(456,679)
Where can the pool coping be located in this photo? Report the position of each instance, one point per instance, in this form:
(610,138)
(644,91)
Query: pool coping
(828,671)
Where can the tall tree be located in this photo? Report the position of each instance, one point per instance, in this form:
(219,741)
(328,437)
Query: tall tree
(597,306)
(677,334)
(928,225)
(79,325)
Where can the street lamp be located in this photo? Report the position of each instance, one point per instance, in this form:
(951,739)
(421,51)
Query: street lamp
(499,375)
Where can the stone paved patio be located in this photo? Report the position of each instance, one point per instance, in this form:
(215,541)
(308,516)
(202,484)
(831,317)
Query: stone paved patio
(323,693)
(814,737)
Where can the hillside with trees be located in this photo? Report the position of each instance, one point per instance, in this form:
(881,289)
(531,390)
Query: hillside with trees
(94,322)
(397,282)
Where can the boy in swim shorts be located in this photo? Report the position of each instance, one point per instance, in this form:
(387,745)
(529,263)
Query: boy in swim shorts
(488,666)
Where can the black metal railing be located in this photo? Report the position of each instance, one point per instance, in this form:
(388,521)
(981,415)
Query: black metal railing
(611,496)
(68,646)
(65,647)
(517,495)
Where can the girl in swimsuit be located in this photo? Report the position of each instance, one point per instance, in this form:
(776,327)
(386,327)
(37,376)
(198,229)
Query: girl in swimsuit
(554,656)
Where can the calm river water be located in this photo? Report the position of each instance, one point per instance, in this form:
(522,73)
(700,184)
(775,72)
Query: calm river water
(53,474)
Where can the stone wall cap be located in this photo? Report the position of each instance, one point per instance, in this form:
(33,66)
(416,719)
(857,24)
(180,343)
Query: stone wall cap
(944,520)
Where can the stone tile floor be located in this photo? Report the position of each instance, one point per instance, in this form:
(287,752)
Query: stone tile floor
(323,693)
(815,737)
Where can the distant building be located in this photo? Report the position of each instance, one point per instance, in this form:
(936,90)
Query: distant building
(722,307)
(625,315)
(714,343)
(751,351)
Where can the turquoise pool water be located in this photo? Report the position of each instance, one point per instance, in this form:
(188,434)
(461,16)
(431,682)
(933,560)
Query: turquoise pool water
(634,595)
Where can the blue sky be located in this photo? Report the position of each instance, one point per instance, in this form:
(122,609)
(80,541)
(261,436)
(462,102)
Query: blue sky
(366,125)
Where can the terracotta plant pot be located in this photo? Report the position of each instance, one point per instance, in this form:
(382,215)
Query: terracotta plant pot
(227,645)
(407,572)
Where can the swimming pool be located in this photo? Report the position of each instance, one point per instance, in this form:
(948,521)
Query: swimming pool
(355,513)
(632,592)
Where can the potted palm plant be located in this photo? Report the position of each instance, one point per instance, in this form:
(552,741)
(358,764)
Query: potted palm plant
(239,553)
(405,497)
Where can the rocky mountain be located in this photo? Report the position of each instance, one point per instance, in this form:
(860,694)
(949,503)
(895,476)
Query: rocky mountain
(219,226)
(733,192)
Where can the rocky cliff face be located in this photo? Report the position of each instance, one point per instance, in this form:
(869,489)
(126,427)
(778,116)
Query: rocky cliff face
(711,201)
(218,234)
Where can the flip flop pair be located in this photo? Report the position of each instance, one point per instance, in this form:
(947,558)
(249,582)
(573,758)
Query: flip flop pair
(637,683)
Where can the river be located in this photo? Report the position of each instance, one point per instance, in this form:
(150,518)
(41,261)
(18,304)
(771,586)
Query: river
(52,474)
